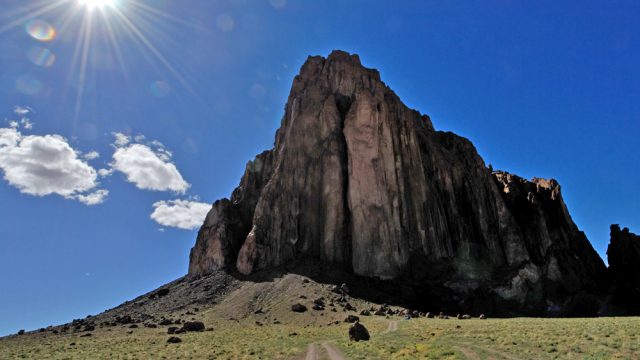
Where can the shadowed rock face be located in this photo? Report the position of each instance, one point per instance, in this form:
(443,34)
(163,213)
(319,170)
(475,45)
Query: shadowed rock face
(624,267)
(359,180)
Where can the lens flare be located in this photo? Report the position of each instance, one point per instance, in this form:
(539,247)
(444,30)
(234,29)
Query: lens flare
(41,56)
(159,89)
(40,30)
(30,85)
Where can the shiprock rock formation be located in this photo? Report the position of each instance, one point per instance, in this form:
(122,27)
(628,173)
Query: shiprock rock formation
(624,268)
(358,180)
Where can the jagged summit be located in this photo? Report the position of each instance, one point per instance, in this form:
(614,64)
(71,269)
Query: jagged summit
(358,180)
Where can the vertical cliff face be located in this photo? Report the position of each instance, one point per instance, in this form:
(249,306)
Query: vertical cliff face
(359,180)
(624,267)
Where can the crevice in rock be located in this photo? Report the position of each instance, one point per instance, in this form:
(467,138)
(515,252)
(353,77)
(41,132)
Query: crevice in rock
(343,103)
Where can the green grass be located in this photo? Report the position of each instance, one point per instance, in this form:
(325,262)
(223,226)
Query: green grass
(522,338)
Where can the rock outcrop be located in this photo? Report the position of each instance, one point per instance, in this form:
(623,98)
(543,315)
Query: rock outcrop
(624,268)
(358,180)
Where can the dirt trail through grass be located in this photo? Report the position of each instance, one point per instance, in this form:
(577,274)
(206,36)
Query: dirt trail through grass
(393,326)
(332,351)
(468,353)
(314,352)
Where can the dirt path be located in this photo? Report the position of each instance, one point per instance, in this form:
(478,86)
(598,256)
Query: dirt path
(332,351)
(393,326)
(312,352)
(468,353)
(315,352)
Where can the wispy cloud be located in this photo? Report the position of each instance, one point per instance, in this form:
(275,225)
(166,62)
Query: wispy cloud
(22,110)
(92,155)
(94,198)
(121,139)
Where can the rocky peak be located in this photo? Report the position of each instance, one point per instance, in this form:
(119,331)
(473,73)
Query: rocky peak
(624,268)
(358,180)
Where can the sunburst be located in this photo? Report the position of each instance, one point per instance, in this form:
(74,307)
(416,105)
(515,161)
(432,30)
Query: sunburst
(117,20)
(97,4)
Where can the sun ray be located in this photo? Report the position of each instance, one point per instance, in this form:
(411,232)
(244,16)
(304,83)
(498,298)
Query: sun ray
(116,48)
(102,25)
(83,66)
(36,13)
(151,48)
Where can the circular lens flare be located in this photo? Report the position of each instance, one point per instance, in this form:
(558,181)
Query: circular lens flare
(41,56)
(97,4)
(40,30)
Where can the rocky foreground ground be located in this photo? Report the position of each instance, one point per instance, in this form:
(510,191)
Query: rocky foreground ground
(296,316)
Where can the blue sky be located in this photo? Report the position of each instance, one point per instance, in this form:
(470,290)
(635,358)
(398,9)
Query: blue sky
(176,96)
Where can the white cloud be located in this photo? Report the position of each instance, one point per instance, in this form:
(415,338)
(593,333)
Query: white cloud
(44,165)
(94,198)
(157,144)
(139,138)
(9,137)
(13,124)
(105,172)
(182,214)
(22,110)
(148,169)
(92,155)
(121,139)
(26,123)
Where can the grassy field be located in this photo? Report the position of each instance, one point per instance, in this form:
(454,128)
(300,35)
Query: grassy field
(605,338)
(253,320)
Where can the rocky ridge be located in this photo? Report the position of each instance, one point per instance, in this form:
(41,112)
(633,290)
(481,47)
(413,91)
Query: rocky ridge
(358,180)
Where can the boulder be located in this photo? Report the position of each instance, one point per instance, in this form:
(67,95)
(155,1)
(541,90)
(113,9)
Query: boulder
(193,326)
(357,332)
(299,308)
(351,319)
(174,340)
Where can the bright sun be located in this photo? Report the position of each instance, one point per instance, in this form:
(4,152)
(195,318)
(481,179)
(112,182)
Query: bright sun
(97,4)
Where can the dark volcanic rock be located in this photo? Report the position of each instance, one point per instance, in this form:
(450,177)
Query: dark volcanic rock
(624,268)
(358,180)
(193,326)
(299,308)
(358,332)
(174,340)
(351,319)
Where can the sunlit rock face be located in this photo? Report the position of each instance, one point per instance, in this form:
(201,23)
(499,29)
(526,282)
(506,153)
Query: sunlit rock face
(624,267)
(358,180)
